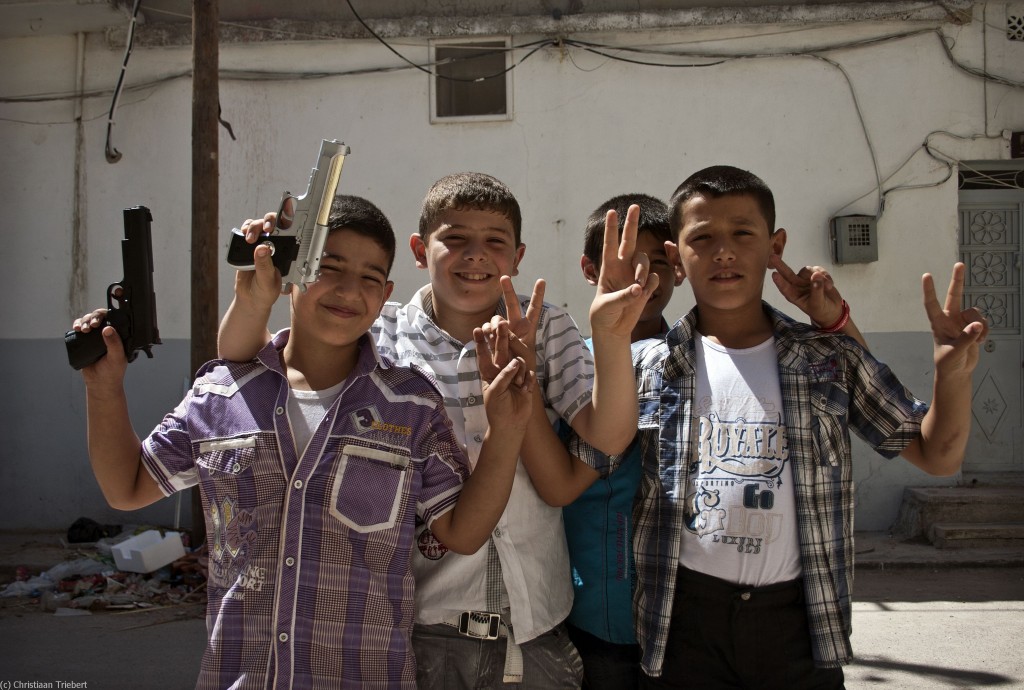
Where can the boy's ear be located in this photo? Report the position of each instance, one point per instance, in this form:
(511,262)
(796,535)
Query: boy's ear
(520,251)
(778,241)
(590,271)
(672,252)
(388,288)
(419,250)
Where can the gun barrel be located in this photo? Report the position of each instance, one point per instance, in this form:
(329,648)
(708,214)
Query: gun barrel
(137,255)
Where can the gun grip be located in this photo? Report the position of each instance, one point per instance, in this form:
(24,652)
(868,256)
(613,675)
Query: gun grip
(284,250)
(84,348)
(87,348)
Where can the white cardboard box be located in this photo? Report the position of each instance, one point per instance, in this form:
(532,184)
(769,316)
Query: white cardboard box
(148,551)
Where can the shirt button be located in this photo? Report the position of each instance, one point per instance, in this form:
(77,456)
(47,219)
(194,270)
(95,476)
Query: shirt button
(478,439)
(289,561)
(237,468)
(471,400)
(497,532)
(283,637)
(745,596)
(297,484)
(280,410)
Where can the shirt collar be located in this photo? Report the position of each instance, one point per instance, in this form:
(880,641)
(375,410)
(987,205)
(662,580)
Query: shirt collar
(369,357)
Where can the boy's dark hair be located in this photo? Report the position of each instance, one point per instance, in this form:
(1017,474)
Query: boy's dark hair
(470,191)
(653,219)
(722,180)
(360,216)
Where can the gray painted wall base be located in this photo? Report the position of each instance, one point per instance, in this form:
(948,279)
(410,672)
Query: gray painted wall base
(46,482)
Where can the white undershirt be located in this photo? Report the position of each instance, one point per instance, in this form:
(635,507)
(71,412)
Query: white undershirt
(306,409)
(741,508)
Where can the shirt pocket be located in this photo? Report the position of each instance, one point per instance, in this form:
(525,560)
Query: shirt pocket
(229,457)
(369,487)
(830,404)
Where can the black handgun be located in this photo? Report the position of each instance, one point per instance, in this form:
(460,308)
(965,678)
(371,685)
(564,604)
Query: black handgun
(296,251)
(132,313)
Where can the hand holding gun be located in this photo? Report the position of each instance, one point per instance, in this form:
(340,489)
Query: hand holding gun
(297,241)
(131,303)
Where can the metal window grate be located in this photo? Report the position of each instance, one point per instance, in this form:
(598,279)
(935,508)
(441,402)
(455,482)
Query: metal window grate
(1015,23)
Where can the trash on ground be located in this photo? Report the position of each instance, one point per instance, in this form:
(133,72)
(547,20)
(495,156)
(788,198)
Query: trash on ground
(139,569)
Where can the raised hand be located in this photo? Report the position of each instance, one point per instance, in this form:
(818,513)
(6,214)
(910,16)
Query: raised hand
(259,288)
(508,398)
(811,289)
(957,332)
(108,371)
(515,334)
(492,348)
(625,282)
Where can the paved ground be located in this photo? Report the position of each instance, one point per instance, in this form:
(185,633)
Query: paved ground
(922,620)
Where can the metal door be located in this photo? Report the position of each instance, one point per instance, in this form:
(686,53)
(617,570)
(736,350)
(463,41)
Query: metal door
(991,212)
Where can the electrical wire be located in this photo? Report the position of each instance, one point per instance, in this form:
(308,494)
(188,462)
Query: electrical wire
(112,154)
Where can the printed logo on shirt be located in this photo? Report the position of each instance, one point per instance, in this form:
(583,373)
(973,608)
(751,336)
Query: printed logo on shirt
(364,418)
(368,419)
(736,456)
(231,538)
(430,546)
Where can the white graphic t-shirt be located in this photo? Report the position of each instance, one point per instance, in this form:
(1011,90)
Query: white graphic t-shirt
(741,521)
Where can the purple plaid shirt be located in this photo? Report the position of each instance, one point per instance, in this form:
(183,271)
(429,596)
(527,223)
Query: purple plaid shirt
(309,580)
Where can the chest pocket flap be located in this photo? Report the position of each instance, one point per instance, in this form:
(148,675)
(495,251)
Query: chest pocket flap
(369,487)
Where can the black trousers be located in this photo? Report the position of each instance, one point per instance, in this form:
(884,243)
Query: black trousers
(732,636)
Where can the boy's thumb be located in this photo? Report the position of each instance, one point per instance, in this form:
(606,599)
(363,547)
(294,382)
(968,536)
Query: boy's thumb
(112,339)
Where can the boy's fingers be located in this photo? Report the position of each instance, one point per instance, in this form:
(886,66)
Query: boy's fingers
(627,244)
(505,377)
(501,346)
(287,212)
(536,302)
(508,291)
(931,301)
(781,267)
(784,286)
(252,228)
(611,235)
(115,350)
(653,280)
(642,270)
(956,289)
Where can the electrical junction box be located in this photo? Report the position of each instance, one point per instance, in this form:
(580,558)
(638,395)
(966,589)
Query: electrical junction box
(854,239)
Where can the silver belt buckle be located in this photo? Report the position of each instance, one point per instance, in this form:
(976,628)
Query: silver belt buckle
(480,625)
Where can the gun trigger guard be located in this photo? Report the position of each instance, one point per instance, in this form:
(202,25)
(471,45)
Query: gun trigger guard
(111,296)
(280,211)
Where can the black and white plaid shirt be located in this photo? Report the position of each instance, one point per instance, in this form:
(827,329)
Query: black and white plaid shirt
(829,385)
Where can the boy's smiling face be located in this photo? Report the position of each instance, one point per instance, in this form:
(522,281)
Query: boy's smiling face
(466,255)
(351,290)
(723,249)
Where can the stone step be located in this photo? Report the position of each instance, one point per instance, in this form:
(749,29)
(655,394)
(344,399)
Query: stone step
(961,535)
(924,506)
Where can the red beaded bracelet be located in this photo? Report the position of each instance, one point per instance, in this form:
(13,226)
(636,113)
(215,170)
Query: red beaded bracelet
(844,319)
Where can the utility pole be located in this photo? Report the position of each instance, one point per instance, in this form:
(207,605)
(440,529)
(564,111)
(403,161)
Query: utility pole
(205,202)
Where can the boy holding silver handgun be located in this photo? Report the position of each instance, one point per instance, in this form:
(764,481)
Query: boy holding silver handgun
(316,460)
(496,616)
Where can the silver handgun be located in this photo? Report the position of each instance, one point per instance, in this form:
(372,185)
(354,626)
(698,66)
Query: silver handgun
(296,251)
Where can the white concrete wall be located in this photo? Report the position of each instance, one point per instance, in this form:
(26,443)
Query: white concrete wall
(585,128)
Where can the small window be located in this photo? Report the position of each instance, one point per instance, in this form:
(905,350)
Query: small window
(471,81)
